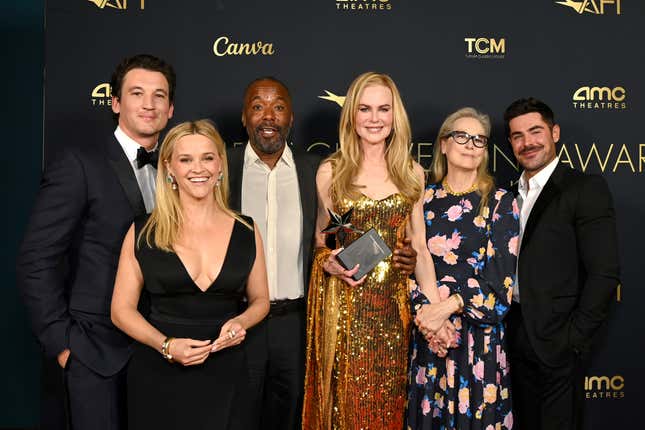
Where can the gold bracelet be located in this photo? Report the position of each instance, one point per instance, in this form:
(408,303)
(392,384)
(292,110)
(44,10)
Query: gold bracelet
(460,303)
(165,349)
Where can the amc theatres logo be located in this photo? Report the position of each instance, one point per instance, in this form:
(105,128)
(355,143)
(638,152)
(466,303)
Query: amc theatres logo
(223,46)
(102,95)
(485,47)
(595,7)
(604,387)
(116,4)
(600,98)
(363,5)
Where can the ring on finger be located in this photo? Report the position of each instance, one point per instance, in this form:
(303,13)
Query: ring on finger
(231,334)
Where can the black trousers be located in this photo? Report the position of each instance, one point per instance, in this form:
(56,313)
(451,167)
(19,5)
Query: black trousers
(544,398)
(276,359)
(76,398)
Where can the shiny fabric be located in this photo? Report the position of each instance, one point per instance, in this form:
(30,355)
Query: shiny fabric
(357,337)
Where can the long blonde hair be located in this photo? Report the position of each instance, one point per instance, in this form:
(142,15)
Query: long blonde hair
(166,219)
(347,160)
(485,181)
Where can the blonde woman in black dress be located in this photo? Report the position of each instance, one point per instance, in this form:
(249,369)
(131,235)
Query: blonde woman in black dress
(198,260)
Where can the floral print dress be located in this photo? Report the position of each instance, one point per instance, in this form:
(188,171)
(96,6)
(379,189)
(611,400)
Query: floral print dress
(474,255)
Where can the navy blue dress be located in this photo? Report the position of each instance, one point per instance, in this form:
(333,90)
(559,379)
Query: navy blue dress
(474,255)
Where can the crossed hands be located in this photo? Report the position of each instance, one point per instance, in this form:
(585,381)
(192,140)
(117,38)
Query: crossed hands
(440,333)
(190,352)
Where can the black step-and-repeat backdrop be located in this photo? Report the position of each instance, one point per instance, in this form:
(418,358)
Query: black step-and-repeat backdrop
(584,58)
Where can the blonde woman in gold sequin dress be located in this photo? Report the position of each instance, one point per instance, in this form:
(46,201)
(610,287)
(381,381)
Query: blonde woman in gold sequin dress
(358,332)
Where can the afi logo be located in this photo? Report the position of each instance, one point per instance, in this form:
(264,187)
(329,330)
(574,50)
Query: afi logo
(115,4)
(596,7)
(485,46)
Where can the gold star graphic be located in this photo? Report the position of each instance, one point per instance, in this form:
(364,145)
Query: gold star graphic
(339,100)
(579,6)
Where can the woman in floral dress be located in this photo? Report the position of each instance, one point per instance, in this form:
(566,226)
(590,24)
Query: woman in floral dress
(472,233)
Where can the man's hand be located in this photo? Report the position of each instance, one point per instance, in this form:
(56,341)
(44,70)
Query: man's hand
(405,257)
(63,357)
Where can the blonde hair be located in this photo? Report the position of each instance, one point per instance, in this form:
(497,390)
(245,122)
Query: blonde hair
(485,181)
(166,219)
(347,160)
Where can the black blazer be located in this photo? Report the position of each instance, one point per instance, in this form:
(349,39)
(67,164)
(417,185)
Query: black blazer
(568,264)
(67,263)
(306,167)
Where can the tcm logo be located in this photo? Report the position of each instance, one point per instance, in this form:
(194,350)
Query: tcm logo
(600,98)
(102,95)
(595,7)
(116,4)
(604,387)
(366,5)
(223,46)
(484,47)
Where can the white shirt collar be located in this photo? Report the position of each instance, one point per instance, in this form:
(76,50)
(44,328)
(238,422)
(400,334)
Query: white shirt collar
(251,157)
(540,179)
(129,145)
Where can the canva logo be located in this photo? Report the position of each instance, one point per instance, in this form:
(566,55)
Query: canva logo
(485,47)
(588,97)
(604,387)
(595,7)
(102,95)
(116,4)
(223,46)
(363,5)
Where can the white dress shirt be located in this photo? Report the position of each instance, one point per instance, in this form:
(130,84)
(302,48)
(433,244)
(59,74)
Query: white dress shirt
(145,175)
(272,198)
(529,191)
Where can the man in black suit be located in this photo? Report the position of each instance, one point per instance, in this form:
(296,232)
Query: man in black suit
(566,275)
(88,197)
(276,185)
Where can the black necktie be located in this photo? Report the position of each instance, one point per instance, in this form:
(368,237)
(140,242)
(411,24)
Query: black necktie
(144,157)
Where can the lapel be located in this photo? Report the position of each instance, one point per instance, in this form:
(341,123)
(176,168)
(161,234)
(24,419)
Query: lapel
(306,178)
(235,172)
(123,170)
(551,190)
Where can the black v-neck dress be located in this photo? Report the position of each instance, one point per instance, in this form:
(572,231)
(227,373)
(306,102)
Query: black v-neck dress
(163,395)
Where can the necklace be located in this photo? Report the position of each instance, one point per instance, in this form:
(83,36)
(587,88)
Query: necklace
(449,190)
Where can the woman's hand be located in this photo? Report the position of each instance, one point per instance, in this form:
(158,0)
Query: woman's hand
(430,317)
(445,338)
(334,268)
(189,352)
(231,334)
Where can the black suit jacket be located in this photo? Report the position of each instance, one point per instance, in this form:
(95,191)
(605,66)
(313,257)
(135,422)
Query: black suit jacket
(568,264)
(67,263)
(306,167)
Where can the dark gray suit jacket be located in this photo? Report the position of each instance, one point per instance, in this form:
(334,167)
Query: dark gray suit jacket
(67,263)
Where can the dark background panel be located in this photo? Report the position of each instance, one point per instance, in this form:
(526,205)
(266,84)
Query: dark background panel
(550,52)
(21,31)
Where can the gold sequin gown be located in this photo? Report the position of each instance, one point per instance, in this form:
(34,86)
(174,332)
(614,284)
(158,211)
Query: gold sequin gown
(358,337)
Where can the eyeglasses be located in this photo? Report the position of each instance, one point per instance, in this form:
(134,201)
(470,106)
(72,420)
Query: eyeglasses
(462,138)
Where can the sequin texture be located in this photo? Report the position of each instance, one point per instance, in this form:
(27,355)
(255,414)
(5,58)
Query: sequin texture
(362,345)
